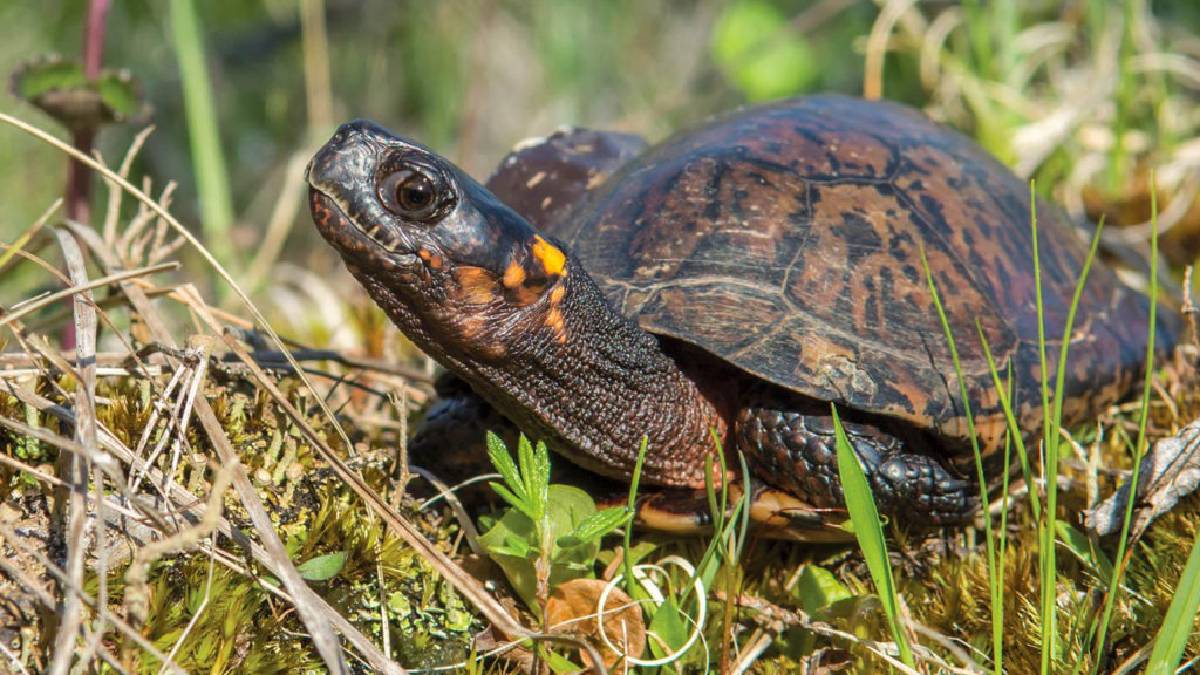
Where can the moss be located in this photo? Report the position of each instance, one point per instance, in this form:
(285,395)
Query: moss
(244,628)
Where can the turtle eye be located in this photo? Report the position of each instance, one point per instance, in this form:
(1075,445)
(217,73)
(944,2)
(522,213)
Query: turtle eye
(411,194)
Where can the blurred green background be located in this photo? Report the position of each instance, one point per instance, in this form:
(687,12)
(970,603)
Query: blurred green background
(469,78)
(472,77)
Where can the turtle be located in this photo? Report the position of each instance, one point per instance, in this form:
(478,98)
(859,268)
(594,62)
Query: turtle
(728,288)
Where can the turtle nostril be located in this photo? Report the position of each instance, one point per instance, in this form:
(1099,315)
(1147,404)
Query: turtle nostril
(322,168)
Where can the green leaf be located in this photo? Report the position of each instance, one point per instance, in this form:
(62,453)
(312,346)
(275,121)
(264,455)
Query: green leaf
(670,625)
(44,74)
(535,475)
(512,546)
(60,88)
(570,507)
(119,93)
(517,563)
(816,587)
(323,567)
(869,532)
(755,49)
(559,663)
(1085,549)
(512,499)
(514,543)
(502,460)
(595,526)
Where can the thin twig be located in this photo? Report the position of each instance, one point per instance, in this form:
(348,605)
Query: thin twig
(760,640)
(81,288)
(74,469)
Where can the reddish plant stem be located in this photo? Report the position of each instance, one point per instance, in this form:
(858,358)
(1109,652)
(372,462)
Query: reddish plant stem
(79,178)
(93,37)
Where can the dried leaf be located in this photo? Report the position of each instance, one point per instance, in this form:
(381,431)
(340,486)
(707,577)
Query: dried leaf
(1170,472)
(572,609)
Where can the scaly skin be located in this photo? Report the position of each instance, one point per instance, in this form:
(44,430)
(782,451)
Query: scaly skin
(795,449)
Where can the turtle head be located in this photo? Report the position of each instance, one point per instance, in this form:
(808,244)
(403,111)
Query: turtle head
(425,239)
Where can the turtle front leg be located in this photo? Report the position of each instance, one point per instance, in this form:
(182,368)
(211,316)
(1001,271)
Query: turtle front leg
(793,447)
(451,441)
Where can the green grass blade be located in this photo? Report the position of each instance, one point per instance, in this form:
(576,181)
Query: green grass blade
(1014,429)
(1060,375)
(1048,568)
(1002,556)
(1173,637)
(1126,91)
(869,531)
(742,510)
(631,585)
(997,621)
(1052,531)
(208,160)
(710,491)
(1140,447)
(716,552)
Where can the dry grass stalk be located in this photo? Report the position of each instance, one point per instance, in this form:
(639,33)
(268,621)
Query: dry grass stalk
(75,469)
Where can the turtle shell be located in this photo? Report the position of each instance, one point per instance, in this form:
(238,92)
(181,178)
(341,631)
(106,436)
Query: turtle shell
(786,240)
(544,178)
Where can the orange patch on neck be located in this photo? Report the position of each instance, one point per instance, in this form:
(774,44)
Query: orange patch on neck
(514,275)
(554,317)
(553,260)
(435,261)
(556,323)
(479,286)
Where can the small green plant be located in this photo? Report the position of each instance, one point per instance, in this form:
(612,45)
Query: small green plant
(551,533)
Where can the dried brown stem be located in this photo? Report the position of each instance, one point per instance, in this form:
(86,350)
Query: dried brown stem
(74,469)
